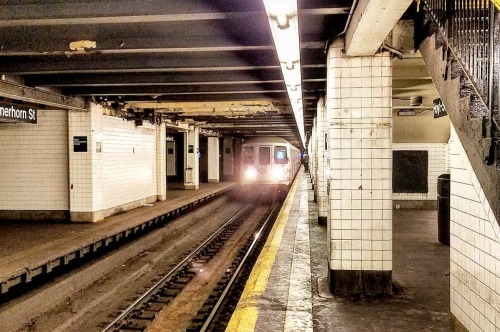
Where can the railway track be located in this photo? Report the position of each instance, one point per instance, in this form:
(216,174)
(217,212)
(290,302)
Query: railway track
(151,309)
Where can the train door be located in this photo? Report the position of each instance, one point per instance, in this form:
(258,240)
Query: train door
(264,165)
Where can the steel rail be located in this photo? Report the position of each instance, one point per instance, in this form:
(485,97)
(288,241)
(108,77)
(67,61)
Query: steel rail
(158,284)
(237,271)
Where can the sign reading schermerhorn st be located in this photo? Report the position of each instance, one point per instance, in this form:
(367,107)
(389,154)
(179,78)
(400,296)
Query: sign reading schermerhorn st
(17,113)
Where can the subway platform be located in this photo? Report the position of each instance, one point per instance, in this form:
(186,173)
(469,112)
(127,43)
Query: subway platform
(31,249)
(288,289)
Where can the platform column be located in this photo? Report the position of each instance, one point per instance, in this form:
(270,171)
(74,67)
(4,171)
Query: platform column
(228,157)
(85,131)
(315,156)
(191,161)
(321,193)
(213,159)
(360,131)
(161,162)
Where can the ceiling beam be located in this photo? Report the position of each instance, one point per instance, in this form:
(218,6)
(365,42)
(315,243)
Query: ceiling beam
(36,96)
(371,22)
(127,19)
(175,89)
(95,64)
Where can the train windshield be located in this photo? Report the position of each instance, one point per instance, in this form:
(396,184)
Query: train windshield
(248,155)
(280,156)
(264,155)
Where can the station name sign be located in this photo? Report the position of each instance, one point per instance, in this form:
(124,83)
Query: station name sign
(17,113)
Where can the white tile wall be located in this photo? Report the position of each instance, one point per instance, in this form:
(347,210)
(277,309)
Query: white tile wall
(85,168)
(34,163)
(360,146)
(438,164)
(120,165)
(213,159)
(161,162)
(192,161)
(313,152)
(474,247)
(322,195)
(129,161)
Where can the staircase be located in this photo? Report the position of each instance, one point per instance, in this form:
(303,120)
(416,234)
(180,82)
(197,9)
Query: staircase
(465,96)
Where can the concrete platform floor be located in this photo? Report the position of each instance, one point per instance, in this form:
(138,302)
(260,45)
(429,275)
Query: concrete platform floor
(26,246)
(294,296)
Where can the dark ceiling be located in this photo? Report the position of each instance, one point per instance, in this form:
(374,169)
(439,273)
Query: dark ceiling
(185,56)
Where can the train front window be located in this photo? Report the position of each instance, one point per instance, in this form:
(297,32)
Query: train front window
(280,156)
(248,155)
(264,155)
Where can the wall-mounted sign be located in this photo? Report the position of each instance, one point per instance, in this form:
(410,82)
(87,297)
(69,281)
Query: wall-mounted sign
(439,109)
(79,143)
(17,113)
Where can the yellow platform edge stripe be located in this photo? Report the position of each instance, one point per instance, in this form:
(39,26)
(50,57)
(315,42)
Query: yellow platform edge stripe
(497,3)
(245,315)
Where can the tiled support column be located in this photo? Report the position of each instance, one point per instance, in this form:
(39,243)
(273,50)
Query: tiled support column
(161,163)
(228,157)
(321,188)
(360,217)
(85,164)
(192,162)
(314,156)
(213,159)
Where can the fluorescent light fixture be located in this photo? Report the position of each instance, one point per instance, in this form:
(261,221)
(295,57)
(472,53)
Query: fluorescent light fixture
(284,22)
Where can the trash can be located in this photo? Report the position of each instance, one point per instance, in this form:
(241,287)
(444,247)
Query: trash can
(443,196)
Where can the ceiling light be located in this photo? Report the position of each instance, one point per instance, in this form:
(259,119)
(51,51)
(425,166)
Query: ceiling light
(289,65)
(283,21)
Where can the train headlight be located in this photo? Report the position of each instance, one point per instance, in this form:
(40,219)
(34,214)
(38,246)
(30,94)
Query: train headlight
(251,173)
(278,173)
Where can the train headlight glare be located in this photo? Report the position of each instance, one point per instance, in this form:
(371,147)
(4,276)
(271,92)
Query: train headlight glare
(278,173)
(251,173)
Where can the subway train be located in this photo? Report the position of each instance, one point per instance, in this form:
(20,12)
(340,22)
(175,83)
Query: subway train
(268,161)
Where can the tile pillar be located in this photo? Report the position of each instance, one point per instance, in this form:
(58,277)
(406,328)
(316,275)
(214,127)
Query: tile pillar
(85,130)
(321,188)
(161,163)
(312,155)
(213,159)
(360,146)
(191,160)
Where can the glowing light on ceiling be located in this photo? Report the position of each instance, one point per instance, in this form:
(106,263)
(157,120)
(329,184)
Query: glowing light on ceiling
(284,22)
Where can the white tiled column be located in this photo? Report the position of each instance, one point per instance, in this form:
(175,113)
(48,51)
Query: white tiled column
(322,195)
(360,102)
(192,162)
(314,156)
(86,168)
(161,163)
(213,159)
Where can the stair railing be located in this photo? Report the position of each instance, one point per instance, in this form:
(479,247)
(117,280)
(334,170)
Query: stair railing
(470,28)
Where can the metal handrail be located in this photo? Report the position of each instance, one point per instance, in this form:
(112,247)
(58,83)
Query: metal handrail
(466,25)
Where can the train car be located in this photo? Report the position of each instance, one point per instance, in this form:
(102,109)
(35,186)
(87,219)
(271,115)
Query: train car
(269,160)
